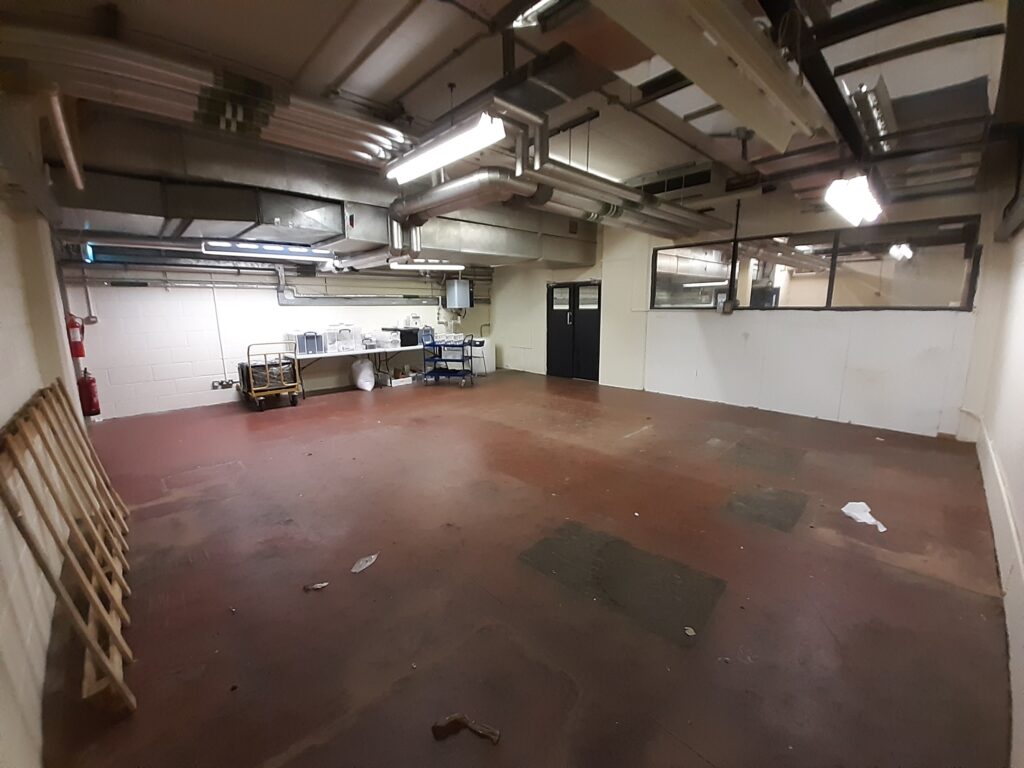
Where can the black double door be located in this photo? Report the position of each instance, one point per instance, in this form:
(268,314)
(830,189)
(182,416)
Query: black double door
(574,330)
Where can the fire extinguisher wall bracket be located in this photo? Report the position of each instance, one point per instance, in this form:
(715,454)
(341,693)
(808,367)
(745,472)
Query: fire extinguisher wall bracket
(76,335)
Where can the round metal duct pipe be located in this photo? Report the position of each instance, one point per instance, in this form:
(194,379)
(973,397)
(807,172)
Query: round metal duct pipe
(486,185)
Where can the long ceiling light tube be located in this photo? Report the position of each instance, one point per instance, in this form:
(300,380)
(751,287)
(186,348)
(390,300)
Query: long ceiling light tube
(267,251)
(451,146)
(423,266)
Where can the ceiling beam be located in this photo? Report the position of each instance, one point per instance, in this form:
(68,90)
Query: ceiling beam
(661,86)
(922,46)
(875,16)
(371,46)
(819,74)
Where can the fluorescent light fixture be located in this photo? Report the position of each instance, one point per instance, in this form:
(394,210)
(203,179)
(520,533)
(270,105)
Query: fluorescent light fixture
(405,266)
(709,284)
(805,248)
(782,240)
(250,250)
(901,251)
(447,148)
(852,199)
(528,18)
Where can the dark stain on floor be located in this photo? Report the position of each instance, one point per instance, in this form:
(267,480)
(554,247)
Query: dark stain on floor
(766,455)
(665,597)
(778,509)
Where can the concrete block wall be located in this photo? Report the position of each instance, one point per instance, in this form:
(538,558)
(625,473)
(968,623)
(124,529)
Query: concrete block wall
(159,349)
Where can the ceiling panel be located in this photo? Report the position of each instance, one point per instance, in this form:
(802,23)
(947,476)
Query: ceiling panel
(645,70)
(935,69)
(476,70)
(622,144)
(429,34)
(915,30)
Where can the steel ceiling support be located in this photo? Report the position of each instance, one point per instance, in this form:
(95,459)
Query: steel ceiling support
(840,164)
(819,74)
(875,16)
(661,86)
(962,36)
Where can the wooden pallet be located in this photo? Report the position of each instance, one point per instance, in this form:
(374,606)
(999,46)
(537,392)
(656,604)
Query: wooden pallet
(61,500)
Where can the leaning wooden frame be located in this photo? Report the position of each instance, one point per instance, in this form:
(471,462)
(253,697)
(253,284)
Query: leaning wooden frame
(61,500)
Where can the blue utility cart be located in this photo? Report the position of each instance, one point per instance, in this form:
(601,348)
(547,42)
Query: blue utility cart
(446,360)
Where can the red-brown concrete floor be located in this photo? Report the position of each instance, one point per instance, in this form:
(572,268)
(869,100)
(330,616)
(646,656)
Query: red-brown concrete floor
(832,644)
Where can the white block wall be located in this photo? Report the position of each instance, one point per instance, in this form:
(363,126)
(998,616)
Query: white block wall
(895,370)
(159,349)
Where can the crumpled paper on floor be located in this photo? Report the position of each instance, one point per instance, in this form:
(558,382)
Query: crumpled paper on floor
(861,512)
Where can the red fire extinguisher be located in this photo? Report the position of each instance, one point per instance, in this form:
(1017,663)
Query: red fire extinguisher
(76,335)
(88,394)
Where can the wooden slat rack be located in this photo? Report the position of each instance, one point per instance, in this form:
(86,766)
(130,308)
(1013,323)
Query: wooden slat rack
(61,500)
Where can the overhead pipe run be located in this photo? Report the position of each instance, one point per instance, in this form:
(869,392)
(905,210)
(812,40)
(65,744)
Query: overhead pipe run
(545,184)
(109,72)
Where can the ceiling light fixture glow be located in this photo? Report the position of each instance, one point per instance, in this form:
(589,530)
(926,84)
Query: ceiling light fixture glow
(853,200)
(709,284)
(901,251)
(273,251)
(529,17)
(453,145)
(406,267)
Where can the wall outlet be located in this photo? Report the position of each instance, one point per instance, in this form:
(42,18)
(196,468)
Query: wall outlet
(225,384)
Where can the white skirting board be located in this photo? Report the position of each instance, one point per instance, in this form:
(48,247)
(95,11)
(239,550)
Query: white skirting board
(1011,572)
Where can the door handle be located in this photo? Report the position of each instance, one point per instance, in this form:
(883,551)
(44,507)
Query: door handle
(568,318)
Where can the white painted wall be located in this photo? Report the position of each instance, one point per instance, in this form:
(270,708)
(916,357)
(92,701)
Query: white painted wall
(910,371)
(158,349)
(889,369)
(1001,452)
(34,353)
(519,309)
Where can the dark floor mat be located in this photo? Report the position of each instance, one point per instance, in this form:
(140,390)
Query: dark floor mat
(662,595)
(768,506)
(761,454)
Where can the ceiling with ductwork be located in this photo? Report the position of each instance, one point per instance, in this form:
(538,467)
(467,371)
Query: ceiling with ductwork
(689,100)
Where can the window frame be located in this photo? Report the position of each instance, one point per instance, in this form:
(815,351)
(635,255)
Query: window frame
(972,251)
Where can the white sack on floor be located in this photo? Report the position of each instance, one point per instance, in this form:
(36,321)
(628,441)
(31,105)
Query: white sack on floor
(362,374)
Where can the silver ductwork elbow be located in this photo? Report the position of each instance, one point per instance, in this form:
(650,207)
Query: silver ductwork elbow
(482,187)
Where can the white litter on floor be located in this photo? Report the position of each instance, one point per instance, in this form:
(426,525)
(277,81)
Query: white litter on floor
(861,512)
(364,562)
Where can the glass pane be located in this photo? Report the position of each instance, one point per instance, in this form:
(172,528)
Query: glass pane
(902,265)
(787,271)
(560,298)
(590,296)
(691,277)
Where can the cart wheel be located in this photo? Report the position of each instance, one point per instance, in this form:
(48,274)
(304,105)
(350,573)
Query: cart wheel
(259,404)
(294,398)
